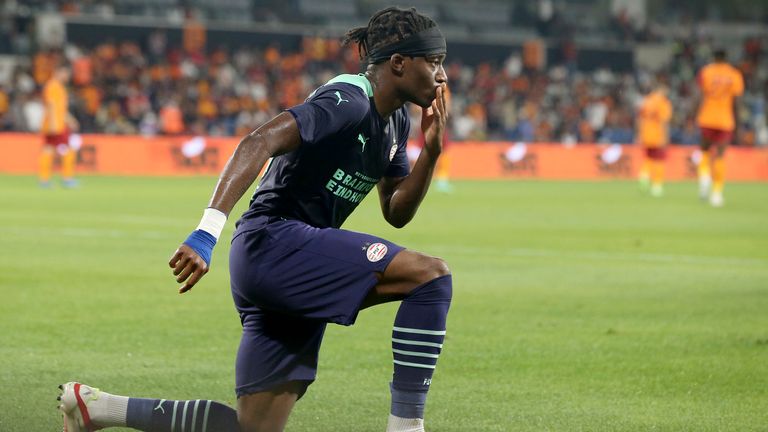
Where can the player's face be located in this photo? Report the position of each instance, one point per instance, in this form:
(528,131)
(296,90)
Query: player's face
(426,75)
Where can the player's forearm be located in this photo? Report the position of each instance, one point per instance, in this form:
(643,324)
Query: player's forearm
(409,193)
(238,175)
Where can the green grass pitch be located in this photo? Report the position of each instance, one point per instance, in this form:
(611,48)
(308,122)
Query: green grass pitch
(578,307)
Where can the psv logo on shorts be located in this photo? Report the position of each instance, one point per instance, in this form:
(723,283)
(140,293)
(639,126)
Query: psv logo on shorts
(376,252)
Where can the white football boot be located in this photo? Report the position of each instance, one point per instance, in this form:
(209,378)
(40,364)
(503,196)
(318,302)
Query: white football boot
(79,403)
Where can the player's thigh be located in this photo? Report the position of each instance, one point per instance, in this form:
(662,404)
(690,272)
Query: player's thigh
(720,148)
(656,153)
(408,270)
(276,362)
(295,269)
(275,349)
(706,140)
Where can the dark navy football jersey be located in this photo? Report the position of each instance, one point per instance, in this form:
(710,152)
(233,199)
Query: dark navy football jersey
(346,148)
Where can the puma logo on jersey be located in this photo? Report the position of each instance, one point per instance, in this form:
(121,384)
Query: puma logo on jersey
(362,139)
(338,95)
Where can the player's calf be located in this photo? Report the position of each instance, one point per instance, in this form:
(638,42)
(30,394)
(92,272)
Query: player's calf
(417,341)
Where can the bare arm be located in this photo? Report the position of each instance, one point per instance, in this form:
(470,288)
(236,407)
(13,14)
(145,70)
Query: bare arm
(278,136)
(401,197)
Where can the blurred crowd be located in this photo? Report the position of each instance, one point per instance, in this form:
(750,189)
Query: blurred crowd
(560,104)
(153,88)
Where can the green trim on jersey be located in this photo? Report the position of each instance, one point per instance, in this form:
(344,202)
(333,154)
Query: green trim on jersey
(359,80)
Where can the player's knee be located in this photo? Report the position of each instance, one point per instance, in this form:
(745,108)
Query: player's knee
(415,269)
(431,268)
(439,268)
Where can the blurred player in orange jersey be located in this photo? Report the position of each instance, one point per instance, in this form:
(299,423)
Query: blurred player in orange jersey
(56,126)
(721,84)
(653,119)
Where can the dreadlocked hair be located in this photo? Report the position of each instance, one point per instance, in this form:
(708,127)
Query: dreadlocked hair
(385,27)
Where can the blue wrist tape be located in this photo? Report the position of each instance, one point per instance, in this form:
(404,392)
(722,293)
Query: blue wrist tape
(201,242)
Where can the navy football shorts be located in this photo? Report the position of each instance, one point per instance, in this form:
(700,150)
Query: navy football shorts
(288,281)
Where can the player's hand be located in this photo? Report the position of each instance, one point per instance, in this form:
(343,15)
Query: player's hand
(433,122)
(188,267)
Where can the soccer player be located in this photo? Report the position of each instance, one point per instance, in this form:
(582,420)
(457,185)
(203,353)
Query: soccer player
(653,119)
(721,84)
(56,126)
(292,269)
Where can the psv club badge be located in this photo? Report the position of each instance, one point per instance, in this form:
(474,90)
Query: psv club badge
(376,252)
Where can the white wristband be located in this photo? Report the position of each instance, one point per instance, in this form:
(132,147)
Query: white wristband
(212,222)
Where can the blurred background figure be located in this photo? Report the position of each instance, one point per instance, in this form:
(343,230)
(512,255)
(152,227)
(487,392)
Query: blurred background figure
(56,127)
(653,118)
(721,85)
(171,118)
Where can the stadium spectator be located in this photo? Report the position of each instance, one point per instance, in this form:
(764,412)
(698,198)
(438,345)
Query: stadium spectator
(171,117)
(5,110)
(721,85)
(350,135)
(688,134)
(111,120)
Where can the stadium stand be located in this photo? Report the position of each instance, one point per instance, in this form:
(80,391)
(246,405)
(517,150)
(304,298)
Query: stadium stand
(228,89)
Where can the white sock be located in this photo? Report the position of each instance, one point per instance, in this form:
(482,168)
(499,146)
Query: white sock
(107,410)
(705,181)
(399,424)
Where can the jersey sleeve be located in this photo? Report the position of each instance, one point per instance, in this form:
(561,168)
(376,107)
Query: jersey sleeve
(399,166)
(330,111)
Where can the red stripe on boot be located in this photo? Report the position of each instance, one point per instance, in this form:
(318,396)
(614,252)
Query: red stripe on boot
(84,410)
